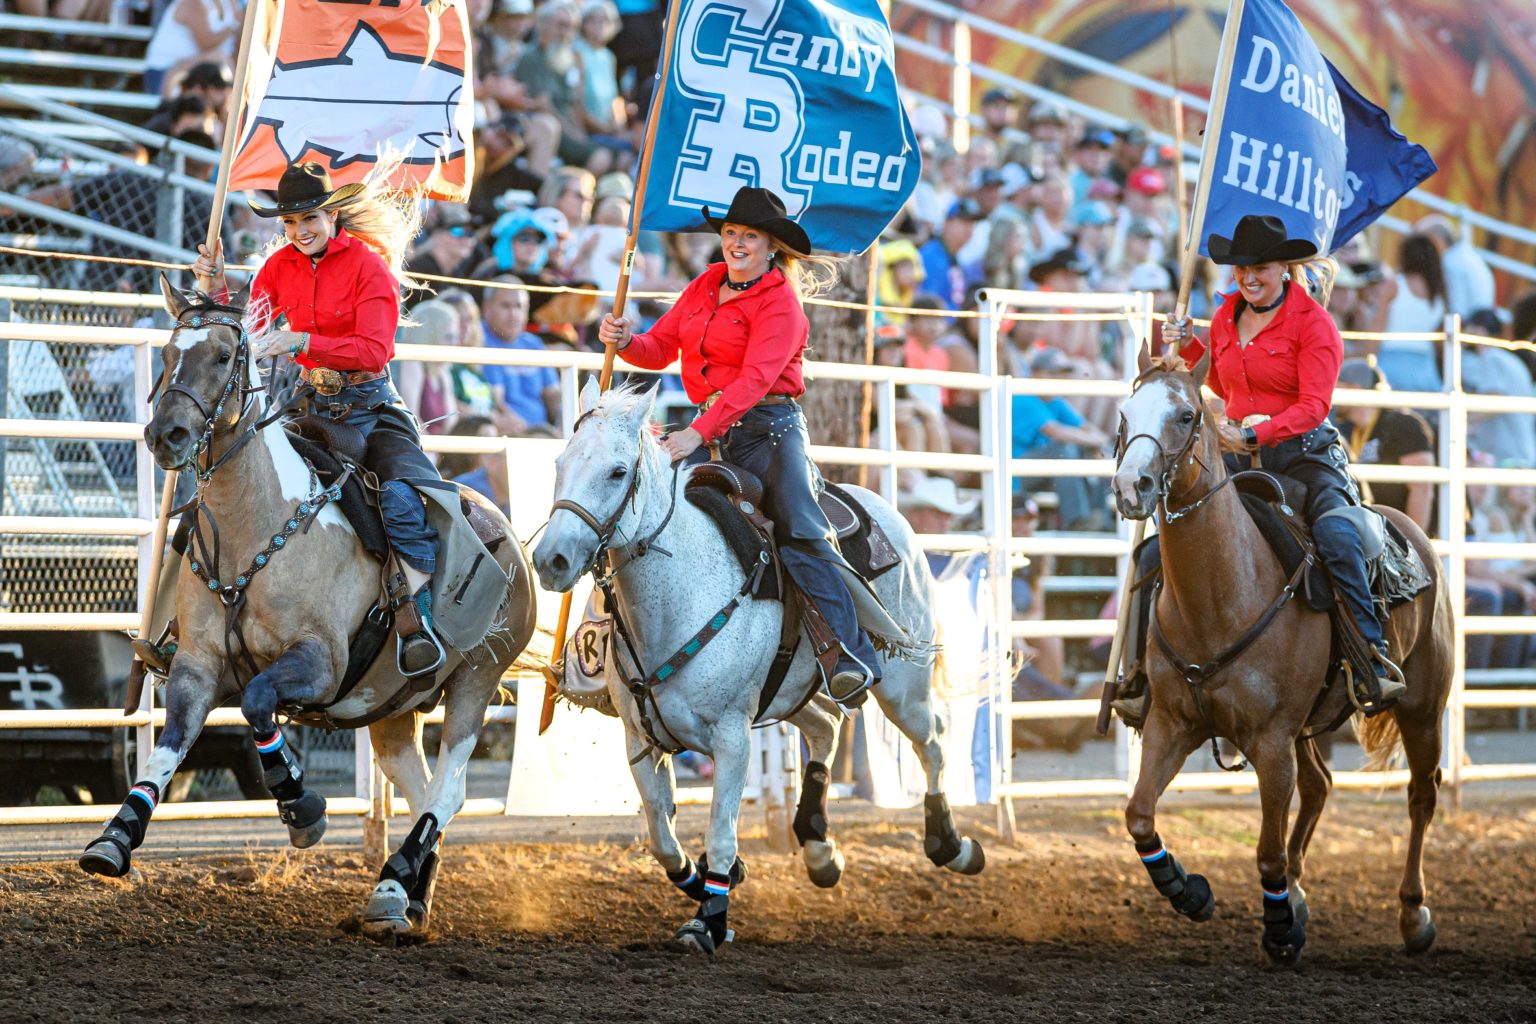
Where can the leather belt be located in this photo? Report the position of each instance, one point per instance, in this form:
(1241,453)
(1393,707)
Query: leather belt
(765,400)
(330,382)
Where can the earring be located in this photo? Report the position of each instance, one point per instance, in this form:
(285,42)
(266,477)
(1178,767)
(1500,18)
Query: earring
(1285,276)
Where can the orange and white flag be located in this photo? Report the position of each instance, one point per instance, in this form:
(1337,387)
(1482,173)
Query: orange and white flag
(344,83)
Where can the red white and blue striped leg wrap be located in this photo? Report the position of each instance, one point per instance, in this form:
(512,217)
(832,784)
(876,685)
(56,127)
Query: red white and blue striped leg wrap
(279,768)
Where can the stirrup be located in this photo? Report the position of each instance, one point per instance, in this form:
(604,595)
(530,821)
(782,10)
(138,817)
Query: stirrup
(1132,710)
(437,663)
(156,654)
(850,686)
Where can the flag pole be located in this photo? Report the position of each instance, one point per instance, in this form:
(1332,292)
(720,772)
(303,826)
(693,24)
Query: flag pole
(1208,147)
(232,112)
(620,296)
(1191,226)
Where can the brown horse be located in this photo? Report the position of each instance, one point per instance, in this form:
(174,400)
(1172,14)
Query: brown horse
(1220,578)
(268,614)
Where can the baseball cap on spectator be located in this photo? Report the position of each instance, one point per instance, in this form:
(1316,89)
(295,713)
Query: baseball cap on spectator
(965,209)
(889,334)
(1090,213)
(1143,227)
(1133,134)
(1049,360)
(1103,138)
(1016,177)
(209,73)
(997,96)
(990,177)
(1485,322)
(614,184)
(451,215)
(513,7)
(1046,111)
(1363,374)
(1347,278)
(1149,181)
(1149,277)
(1068,259)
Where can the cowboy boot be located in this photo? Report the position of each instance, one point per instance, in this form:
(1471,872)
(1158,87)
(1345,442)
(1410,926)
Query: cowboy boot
(1130,701)
(851,682)
(1390,686)
(157,654)
(420,651)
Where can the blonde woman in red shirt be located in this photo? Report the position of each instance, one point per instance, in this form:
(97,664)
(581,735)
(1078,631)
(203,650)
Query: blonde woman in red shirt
(1275,358)
(740,332)
(337,284)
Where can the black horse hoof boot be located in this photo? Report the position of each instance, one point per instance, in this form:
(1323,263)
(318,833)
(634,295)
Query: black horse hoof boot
(1197,902)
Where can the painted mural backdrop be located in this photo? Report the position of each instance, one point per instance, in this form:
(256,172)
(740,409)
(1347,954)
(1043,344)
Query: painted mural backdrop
(1459,77)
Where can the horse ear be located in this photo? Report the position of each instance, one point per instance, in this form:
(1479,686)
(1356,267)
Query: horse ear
(1143,358)
(1202,367)
(241,299)
(176,301)
(650,395)
(589,395)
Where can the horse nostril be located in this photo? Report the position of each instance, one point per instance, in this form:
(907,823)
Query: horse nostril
(176,436)
(1144,484)
(559,563)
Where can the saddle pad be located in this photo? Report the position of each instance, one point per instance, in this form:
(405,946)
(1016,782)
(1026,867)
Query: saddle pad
(740,536)
(865,546)
(360,512)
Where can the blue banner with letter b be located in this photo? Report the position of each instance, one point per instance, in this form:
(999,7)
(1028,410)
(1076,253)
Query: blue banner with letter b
(796,96)
(1298,142)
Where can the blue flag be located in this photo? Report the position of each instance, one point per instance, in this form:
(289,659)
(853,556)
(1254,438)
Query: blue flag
(1298,142)
(796,96)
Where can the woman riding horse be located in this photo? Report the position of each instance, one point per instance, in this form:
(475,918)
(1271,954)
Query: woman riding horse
(741,332)
(1275,357)
(338,284)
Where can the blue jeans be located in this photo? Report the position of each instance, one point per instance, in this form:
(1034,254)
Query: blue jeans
(770,442)
(394,455)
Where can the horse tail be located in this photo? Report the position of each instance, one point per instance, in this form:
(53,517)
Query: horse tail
(1381,740)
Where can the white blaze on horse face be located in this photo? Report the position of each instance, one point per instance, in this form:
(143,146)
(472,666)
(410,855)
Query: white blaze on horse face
(185,341)
(1147,414)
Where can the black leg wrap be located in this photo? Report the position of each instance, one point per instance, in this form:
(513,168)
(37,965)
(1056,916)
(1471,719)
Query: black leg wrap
(811,812)
(406,864)
(1284,935)
(132,818)
(280,769)
(738,870)
(419,907)
(690,879)
(940,840)
(1189,894)
(303,811)
(716,903)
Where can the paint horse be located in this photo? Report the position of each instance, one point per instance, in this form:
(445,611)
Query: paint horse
(620,512)
(270,615)
(1221,583)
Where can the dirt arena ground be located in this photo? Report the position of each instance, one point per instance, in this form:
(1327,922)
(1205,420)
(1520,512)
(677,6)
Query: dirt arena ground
(1062,926)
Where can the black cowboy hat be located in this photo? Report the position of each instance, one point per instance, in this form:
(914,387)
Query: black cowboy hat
(1258,240)
(760,208)
(305,187)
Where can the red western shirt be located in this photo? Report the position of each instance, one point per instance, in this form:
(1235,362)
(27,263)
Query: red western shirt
(1287,372)
(746,348)
(349,303)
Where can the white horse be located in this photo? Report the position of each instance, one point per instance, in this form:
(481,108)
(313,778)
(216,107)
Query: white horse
(668,589)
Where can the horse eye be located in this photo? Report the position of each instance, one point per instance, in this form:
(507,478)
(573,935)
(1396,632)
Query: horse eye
(224,356)
(1187,417)
(618,473)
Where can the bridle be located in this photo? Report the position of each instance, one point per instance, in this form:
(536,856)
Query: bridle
(200,458)
(1187,454)
(606,528)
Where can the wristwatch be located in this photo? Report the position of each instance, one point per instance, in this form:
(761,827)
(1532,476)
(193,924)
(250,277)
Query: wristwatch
(1250,437)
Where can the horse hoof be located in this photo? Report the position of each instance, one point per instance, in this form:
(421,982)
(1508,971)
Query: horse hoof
(305,818)
(1197,903)
(970,860)
(695,937)
(1282,955)
(106,857)
(824,862)
(387,916)
(1418,930)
